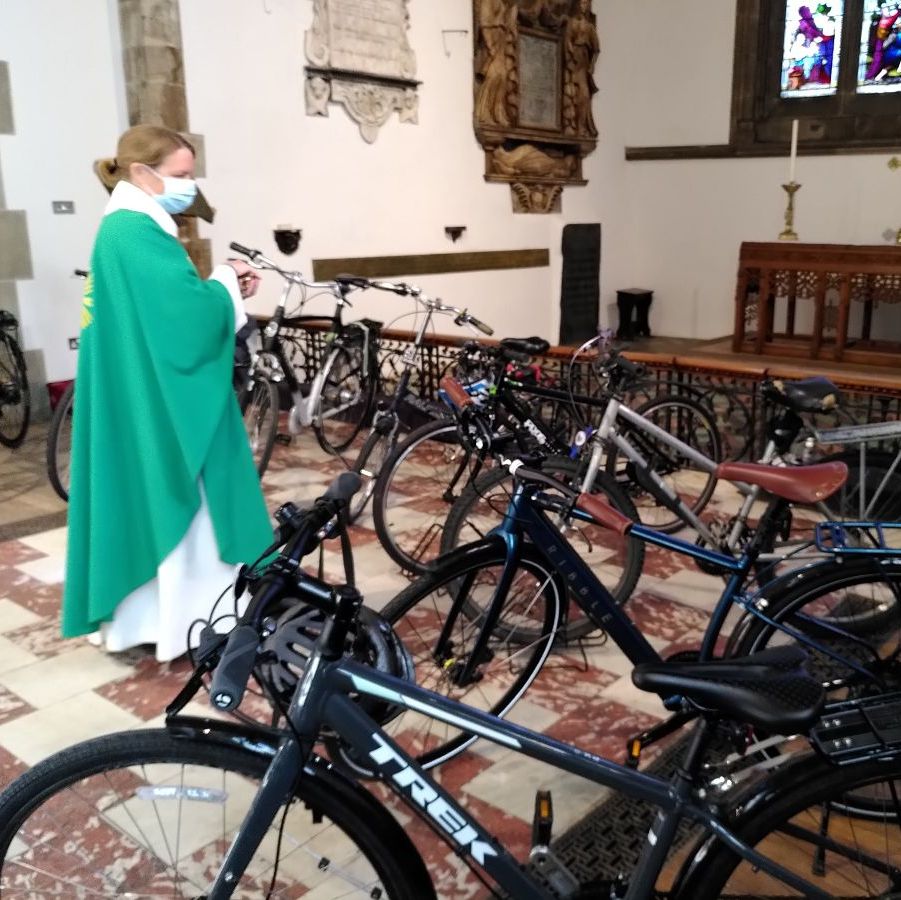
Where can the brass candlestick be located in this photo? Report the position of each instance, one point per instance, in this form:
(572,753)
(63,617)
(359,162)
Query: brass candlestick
(789,233)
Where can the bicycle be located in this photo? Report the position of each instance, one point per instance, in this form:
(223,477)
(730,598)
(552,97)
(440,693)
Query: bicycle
(387,421)
(303,823)
(15,394)
(435,454)
(483,622)
(337,399)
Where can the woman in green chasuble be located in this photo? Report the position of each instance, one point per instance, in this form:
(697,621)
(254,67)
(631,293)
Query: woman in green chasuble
(164,499)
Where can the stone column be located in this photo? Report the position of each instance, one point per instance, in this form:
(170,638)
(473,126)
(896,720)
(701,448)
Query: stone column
(15,258)
(153,62)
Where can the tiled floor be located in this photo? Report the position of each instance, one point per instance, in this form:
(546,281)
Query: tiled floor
(55,692)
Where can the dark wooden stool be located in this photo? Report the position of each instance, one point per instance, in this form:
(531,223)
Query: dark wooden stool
(633,305)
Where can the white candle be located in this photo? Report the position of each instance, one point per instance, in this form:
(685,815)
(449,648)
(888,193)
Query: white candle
(794,152)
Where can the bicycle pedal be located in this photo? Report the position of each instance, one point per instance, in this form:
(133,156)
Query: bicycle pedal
(542,858)
(283,439)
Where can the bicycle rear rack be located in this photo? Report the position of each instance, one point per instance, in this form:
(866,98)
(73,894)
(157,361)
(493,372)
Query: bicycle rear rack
(858,538)
(855,730)
(860,434)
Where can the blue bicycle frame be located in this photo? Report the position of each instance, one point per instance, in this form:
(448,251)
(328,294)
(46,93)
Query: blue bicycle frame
(525,519)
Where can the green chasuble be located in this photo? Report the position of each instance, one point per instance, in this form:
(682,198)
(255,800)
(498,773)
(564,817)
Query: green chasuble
(154,413)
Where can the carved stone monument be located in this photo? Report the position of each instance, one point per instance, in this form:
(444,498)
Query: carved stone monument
(534,82)
(360,57)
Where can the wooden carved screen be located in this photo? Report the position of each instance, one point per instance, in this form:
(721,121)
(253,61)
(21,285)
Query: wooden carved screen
(534,83)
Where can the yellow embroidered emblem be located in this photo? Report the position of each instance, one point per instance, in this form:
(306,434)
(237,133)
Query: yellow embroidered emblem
(87,302)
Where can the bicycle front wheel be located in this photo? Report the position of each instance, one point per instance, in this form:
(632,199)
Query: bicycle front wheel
(148,814)
(345,398)
(15,395)
(59,443)
(414,491)
(260,409)
(615,559)
(808,826)
(505,667)
(693,425)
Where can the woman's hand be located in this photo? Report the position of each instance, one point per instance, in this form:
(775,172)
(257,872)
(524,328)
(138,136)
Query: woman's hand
(248,278)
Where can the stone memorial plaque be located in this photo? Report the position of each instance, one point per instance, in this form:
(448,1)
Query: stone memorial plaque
(539,81)
(361,58)
(368,36)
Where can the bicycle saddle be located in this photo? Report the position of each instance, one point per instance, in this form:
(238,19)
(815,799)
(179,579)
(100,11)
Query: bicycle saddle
(797,484)
(770,689)
(815,394)
(532,346)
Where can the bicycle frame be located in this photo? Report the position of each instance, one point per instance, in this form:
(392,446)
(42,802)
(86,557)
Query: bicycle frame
(277,368)
(321,701)
(525,519)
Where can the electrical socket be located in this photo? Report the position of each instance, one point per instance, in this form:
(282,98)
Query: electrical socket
(73,343)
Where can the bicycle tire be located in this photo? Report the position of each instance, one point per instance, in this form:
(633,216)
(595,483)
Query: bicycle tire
(96,798)
(419,613)
(260,410)
(476,512)
(414,488)
(839,604)
(809,795)
(345,399)
(59,443)
(661,411)
(14,386)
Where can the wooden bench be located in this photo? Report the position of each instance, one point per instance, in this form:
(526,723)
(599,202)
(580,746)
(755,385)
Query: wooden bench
(819,301)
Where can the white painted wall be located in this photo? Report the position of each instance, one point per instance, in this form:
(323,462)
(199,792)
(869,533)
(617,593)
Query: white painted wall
(673,227)
(68,108)
(268,162)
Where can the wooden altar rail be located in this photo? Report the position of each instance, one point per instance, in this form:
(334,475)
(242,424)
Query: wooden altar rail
(832,278)
(729,385)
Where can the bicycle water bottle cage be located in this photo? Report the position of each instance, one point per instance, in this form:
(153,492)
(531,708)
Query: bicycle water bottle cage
(815,394)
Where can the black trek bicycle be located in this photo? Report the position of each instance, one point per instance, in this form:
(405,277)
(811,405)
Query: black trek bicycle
(213,809)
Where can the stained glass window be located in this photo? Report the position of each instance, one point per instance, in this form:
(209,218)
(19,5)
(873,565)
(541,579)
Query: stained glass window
(811,49)
(880,48)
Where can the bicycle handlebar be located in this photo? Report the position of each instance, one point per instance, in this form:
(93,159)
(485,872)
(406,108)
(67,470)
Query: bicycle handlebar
(239,655)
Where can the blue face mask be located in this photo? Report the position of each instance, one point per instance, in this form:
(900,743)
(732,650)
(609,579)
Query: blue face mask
(178,193)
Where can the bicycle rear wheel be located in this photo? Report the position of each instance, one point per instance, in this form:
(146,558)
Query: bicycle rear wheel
(807,826)
(260,408)
(59,443)
(146,813)
(616,560)
(15,395)
(345,399)
(691,423)
(414,491)
(844,613)
(510,662)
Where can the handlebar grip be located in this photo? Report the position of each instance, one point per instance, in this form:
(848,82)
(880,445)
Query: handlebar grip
(456,393)
(233,671)
(343,487)
(240,248)
(485,329)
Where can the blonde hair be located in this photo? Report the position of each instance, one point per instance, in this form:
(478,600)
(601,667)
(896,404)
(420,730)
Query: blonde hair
(147,144)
